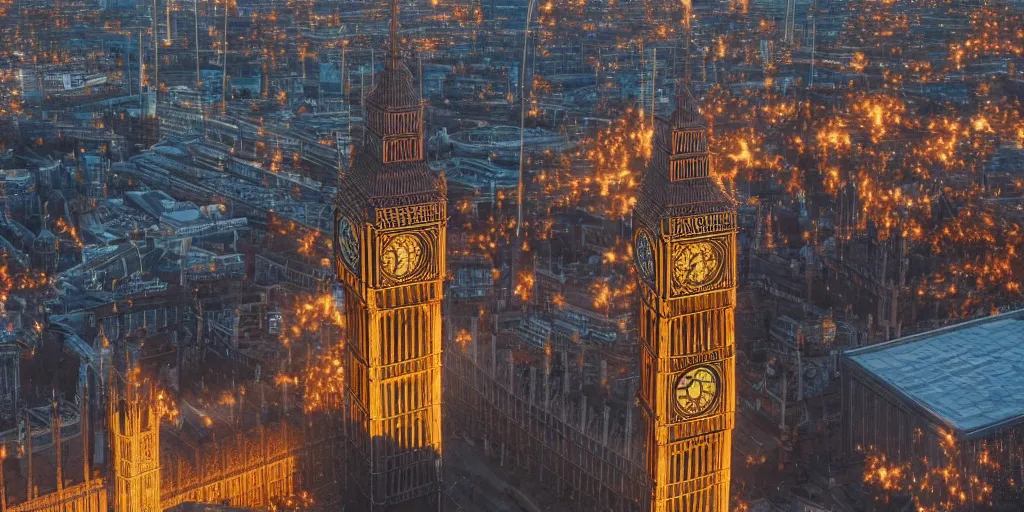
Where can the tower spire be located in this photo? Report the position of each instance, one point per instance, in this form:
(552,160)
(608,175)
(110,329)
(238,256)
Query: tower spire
(688,34)
(687,113)
(394,34)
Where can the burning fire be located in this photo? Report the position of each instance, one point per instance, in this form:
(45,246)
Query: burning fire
(166,406)
(324,381)
(462,338)
(614,159)
(947,483)
(524,285)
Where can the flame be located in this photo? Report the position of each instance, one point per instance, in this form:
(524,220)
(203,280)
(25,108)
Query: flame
(70,231)
(616,156)
(524,285)
(934,485)
(311,314)
(462,338)
(307,241)
(324,381)
(859,62)
(227,398)
(166,407)
(298,503)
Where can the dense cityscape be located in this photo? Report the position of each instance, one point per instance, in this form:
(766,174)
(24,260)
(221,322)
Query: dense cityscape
(511,255)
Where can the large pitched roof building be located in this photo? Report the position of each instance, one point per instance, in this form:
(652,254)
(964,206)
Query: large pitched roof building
(951,397)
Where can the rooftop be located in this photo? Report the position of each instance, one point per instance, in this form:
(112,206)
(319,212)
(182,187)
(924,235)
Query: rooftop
(966,376)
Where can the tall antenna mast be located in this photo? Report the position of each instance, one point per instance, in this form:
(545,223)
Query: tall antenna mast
(156,48)
(814,34)
(199,76)
(522,121)
(168,21)
(195,7)
(654,84)
(127,56)
(142,75)
(224,65)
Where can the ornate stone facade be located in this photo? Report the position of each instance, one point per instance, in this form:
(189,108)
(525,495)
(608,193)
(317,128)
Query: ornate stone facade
(135,444)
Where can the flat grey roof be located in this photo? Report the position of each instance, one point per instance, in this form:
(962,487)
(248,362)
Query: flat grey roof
(970,376)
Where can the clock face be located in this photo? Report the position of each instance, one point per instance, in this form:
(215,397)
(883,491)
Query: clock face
(346,244)
(695,264)
(696,391)
(644,256)
(402,256)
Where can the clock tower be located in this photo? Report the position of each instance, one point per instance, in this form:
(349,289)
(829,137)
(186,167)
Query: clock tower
(389,245)
(685,249)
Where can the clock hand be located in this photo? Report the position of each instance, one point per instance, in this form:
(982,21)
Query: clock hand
(699,388)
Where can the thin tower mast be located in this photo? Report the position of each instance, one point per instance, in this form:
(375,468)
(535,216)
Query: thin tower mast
(654,81)
(814,34)
(522,122)
(127,62)
(224,64)
(168,21)
(156,49)
(195,7)
(142,77)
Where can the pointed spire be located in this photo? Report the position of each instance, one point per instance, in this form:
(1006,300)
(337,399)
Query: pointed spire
(687,114)
(394,86)
(679,181)
(394,34)
(687,74)
(389,169)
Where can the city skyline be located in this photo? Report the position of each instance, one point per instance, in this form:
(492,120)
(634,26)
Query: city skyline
(506,255)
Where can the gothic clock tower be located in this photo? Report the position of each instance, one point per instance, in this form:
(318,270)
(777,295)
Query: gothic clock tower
(135,442)
(685,249)
(389,245)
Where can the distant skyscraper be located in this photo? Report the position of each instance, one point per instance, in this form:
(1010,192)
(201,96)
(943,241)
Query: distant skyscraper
(389,246)
(685,248)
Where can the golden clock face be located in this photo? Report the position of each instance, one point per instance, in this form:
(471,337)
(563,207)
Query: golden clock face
(402,256)
(346,244)
(695,264)
(696,391)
